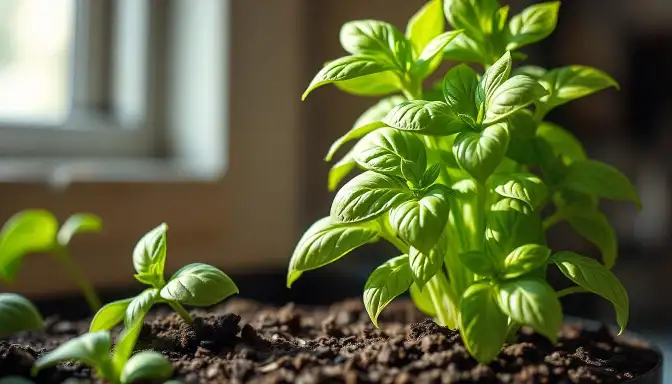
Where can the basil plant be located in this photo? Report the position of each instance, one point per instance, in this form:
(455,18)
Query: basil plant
(465,176)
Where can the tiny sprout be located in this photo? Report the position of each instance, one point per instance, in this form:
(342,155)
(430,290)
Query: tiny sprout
(197,284)
(118,367)
(37,231)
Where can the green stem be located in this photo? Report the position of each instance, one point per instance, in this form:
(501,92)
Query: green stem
(569,291)
(181,311)
(106,371)
(552,220)
(477,239)
(63,255)
(438,296)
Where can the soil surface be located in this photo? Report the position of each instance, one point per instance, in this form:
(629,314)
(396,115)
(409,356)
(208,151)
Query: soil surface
(245,342)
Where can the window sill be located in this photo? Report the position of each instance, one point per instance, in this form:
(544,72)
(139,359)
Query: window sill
(61,172)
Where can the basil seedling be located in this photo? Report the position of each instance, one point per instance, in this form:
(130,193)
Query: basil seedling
(118,367)
(37,231)
(457,174)
(198,285)
(18,314)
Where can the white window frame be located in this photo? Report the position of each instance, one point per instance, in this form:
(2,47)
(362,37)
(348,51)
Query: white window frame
(149,97)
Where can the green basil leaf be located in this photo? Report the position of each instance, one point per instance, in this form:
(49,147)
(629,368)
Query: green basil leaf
(346,68)
(377,84)
(92,349)
(425,25)
(532,71)
(480,263)
(421,221)
(522,124)
(510,224)
(125,345)
(422,300)
(430,175)
(534,23)
(385,283)
(475,16)
(340,170)
(109,315)
(600,179)
(563,142)
(355,133)
(532,302)
(532,151)
(525,259)
(368,196)
(594,227)
(199,285)
(149,256)
(429,59)
(522,186)
(459,90)
(568,83)
(146,366)
(327,241)
(18,314)
(140,305)
(425,117)
(78,223)
(378,39)
(514,94)
(482,324)
(479,153)
(386,150)
(28,231)
(465,49)
(499,19)
(493,78)
(424,265)
(596,278)
(567,200)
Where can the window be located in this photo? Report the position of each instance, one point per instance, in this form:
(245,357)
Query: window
(122,89)
(35,45)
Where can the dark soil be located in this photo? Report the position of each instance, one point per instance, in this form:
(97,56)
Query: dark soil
(242,341)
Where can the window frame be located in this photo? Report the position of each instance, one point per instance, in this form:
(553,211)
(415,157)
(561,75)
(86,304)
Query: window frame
(129,101)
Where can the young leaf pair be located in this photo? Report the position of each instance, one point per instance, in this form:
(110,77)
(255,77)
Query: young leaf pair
(37,231)
(488,33)
(117,367)
(383,60)
(195,284)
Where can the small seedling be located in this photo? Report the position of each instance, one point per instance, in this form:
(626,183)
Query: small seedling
(18,314)
(198,285)
(94,349)
(37,231)
(457,175)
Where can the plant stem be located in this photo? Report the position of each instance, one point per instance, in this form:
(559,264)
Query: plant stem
(512,333)
(438,295)
(63,255)
(569,291)
(479,227)
(181,311)
(552,220)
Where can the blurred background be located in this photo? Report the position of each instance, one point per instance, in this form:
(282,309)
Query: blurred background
(188,112)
